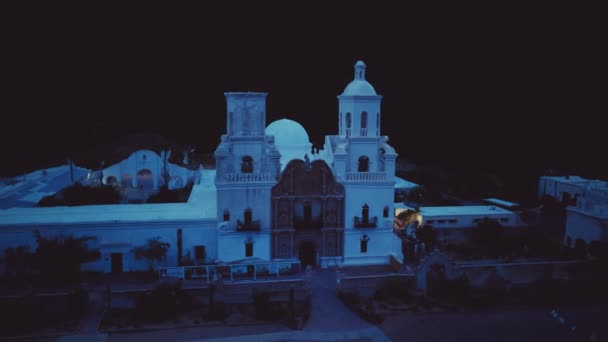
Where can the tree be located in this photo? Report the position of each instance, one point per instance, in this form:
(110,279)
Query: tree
(488,234)
(428,235)
(16,260)
(59,257)
(78,194)
(153,251)
(418,196)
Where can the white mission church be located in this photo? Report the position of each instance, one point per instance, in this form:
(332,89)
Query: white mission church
(269,199)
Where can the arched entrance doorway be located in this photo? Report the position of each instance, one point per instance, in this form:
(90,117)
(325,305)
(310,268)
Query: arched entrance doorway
(307,254)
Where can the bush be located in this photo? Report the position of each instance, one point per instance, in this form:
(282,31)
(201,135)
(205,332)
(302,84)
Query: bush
(77,303)
(393,290)
(166,301)
(171,196)
(78,194)
(265,309)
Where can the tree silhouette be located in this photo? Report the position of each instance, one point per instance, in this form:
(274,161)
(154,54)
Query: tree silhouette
(488,234)
(59,257)
(153,251)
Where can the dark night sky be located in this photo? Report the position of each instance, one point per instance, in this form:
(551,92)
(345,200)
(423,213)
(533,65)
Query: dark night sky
(500,90)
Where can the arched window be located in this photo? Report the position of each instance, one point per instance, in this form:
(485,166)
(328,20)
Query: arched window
(363,119)
(378,123)
(340,122)
(249,248)
(347,120)
(363,164)
(226,215)
(365,213)
(307,212)
(247,216)
(385,211)
(364,241)
(247,165)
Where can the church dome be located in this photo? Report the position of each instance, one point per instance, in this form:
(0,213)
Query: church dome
(359,86)
(287,133)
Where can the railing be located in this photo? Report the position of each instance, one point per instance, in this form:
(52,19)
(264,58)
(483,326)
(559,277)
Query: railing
(302,223)
(246,177)
(365,176)
(366,222)
(236,272)
(347,132)
(253,226)
(363,132)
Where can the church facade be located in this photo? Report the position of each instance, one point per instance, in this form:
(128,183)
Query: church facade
(269,198)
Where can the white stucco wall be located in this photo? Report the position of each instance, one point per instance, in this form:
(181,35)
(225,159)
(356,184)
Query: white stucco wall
(379,246)
(237,199)
(121,238)
(231,246)
(581,225)
(146,160)
(355,105)
(376,196)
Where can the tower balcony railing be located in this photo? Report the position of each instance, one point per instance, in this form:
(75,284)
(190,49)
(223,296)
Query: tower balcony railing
(246,177)
(347,131)
(365,176)
(363,132)
(366,222)
(306,223)
(253,226)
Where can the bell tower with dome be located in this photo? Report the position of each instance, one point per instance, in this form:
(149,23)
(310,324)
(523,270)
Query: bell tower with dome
(359,107)
(247,166)
(364,163)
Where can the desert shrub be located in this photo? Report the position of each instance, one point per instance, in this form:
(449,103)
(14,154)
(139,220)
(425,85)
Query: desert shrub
(265,309)
(393,290)
(166,301)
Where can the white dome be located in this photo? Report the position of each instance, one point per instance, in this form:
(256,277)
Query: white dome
(359,85)
(287,133)
(359,88)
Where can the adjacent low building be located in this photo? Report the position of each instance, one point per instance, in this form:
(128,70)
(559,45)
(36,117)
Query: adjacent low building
(587,221)
(564,188)
(452,222)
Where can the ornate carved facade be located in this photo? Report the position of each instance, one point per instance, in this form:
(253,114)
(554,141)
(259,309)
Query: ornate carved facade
(307,211)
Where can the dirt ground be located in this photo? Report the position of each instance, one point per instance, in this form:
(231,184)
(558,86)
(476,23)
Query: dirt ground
(520,325)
